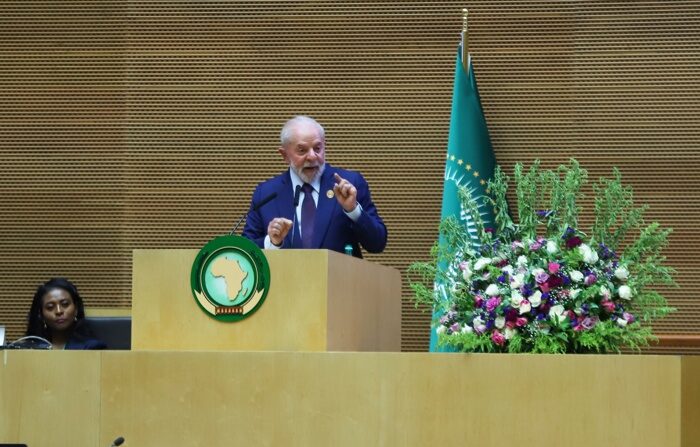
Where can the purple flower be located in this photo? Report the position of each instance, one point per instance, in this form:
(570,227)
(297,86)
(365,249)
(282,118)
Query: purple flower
(585,324)
(455,327)
(590,279)
(492,303)
(573,242)
(541,277)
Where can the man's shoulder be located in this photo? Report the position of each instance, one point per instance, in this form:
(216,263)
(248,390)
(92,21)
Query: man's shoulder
(276,180)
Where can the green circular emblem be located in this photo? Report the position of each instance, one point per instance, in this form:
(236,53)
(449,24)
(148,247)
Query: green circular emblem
(230,278)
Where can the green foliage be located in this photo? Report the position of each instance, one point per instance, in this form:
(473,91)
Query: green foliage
(615,213)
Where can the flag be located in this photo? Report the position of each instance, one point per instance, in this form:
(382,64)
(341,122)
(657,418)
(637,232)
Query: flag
(470,161)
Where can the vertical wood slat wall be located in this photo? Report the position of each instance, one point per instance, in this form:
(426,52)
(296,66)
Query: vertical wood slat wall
(147,124)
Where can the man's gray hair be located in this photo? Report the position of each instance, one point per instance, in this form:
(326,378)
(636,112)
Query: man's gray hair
(286,133)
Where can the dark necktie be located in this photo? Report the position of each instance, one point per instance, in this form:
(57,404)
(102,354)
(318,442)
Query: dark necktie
(308,216)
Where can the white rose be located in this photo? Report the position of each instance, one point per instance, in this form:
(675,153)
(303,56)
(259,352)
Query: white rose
(492,290)
(525,307)
(517,281)
(509,333)
(522,260)
(576,276)
(466,329)
(589,255)
(440,330)
(556,313)
(481,263)
(574,293)
(466,273)
(621,322)
(537,271)
(508,269)
(536,298)
(605,293)
(625,292)
(515,298)
(478,324)
(552,247)
(500,322)
(621,273)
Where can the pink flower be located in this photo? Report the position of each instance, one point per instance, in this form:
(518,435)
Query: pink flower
(455,327)
(492,303)
(628,316)
(553,267)
(478,301)
(498,338)
(608,305)
(521,321)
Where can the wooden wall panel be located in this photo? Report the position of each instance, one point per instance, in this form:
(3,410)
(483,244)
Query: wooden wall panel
(147,124)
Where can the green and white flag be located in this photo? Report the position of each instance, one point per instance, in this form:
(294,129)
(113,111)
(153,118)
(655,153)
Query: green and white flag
(470,161)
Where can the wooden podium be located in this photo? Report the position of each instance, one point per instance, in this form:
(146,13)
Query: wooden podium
(319,300)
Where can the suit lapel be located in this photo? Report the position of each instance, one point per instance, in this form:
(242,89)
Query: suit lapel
(325,207)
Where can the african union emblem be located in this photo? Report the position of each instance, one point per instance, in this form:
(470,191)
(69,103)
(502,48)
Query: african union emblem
(230,278)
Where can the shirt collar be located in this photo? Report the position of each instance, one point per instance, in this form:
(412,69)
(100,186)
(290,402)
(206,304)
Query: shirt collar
(316,184)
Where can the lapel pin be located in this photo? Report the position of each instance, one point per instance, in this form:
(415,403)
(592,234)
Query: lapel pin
(330,194)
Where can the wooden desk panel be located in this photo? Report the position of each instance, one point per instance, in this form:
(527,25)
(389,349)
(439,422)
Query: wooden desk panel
(347,399)
(50,398)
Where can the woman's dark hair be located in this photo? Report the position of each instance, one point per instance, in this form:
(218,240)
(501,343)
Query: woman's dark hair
(35,323)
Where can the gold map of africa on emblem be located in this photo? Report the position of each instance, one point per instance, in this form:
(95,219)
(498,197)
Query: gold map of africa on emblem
(330,194)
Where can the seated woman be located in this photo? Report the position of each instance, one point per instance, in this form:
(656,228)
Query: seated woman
(57,314)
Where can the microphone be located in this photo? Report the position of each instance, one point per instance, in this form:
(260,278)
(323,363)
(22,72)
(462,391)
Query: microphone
(255,207)
(297,192)
(117,442)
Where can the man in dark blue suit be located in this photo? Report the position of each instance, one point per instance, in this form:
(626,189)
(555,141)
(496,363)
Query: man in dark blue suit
(334,208)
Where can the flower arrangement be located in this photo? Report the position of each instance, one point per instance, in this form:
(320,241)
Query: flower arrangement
(542,285)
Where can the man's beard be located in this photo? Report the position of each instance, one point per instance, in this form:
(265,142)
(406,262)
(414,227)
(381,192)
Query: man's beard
(305,178)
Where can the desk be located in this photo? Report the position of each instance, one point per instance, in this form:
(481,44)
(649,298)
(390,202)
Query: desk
(157,398)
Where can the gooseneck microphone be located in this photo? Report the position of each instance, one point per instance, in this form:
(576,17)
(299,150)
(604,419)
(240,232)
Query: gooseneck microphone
(255,207)
(117,442)
(297,192)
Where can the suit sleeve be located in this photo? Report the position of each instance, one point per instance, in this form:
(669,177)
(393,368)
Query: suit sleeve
(255,228)
(369,229)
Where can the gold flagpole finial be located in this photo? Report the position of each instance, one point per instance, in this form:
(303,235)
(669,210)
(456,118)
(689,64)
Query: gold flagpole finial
(465,40)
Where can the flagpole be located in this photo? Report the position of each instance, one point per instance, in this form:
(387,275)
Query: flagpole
(465,40)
